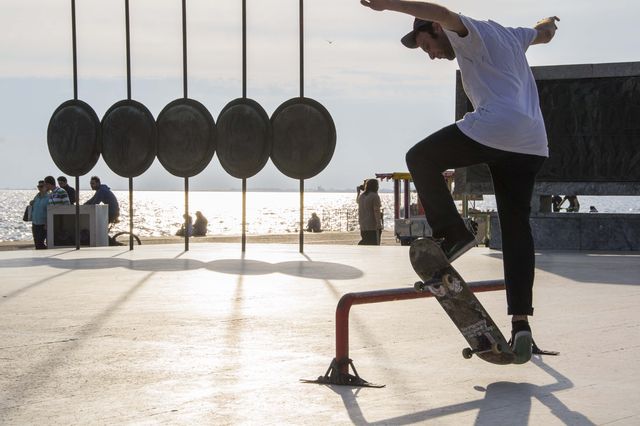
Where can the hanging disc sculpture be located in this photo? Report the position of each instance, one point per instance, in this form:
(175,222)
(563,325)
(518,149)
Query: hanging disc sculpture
(304,138)
(73,138)
(245,136)
(129,138)
(186,137)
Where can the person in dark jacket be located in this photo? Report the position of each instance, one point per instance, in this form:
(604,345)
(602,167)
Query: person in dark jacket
(62,183)
(104,195)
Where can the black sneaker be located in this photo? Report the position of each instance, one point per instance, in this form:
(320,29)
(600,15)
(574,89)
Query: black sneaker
(521,341)
(453,248)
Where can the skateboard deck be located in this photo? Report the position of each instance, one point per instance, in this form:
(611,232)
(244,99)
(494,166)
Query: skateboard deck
(463,307)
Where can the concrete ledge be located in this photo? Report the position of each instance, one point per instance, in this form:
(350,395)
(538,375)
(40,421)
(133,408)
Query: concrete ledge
(579,231)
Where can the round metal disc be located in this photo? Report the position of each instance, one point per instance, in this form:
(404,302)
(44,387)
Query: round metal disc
(304,138)
(244,138)
(73,137)
(186,137)
(129,138)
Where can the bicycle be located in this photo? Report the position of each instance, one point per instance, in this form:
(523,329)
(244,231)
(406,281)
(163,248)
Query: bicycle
(113,239)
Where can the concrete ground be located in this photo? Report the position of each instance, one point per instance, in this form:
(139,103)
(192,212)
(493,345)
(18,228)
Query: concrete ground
(210,336)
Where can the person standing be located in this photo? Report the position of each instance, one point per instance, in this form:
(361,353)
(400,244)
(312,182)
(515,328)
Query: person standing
(57,195)
(39,216)
(104,195)
(71,192)
(506,131)
(369,215)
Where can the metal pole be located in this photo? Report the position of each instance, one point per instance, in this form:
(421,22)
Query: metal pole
(186,95)
(396,199)
(465,205)
(75,51)
(244,95)
(244,48)
(75,97)
(184,47)
(301,48)
(407,199)
(378,296)
(186,212)
(301,19)
(244,215)
(77,201)
(301,215)
(128,41)
(130,213)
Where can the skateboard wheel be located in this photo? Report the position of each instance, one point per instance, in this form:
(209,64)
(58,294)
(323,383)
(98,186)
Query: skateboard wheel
(418,286)
(448,280)
(496,348)
(467,353)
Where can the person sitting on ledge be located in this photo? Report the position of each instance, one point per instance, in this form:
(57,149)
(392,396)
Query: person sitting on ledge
(187,226)
(313,225)
(200,227)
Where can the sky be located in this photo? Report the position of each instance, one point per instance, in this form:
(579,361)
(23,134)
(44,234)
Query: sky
(383,97)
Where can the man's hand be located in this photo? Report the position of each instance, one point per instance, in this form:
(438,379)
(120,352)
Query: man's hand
(551,20)
(546,29)
(423,10)
(375,4)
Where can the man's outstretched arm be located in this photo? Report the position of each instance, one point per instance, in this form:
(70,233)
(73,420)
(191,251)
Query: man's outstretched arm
(546,30)
(423,10)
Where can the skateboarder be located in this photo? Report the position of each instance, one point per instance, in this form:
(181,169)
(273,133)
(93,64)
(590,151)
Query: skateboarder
(506,131)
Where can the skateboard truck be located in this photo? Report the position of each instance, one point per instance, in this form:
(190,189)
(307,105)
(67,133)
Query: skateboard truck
(419,286)
(437,289)
(495,348)
(467,353)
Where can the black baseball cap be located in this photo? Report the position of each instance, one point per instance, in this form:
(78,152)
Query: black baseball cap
(418,25)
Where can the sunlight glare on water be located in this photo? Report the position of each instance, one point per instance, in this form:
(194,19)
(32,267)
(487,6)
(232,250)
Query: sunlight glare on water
(159,213)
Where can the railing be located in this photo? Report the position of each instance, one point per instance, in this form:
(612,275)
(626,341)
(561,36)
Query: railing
(346,219)
(338,372)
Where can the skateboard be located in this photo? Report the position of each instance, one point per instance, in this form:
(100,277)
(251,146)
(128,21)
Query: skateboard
(463,307)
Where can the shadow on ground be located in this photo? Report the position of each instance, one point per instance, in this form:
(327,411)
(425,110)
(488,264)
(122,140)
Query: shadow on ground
(302,268)
(503,403)
(581,268)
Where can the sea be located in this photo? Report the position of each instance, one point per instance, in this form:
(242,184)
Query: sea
(159,213)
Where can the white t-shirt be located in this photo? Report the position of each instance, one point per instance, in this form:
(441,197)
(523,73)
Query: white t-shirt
(500,85)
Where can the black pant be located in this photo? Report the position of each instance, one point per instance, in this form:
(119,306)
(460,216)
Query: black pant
(370,238)
(513,178)
(39,236)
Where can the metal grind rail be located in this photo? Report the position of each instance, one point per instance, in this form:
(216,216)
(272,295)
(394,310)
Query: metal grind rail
(338,372)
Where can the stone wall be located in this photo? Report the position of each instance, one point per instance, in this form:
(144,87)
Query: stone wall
(579,231)
(592,116)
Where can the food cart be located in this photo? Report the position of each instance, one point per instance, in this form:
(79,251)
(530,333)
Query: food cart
(409,219)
